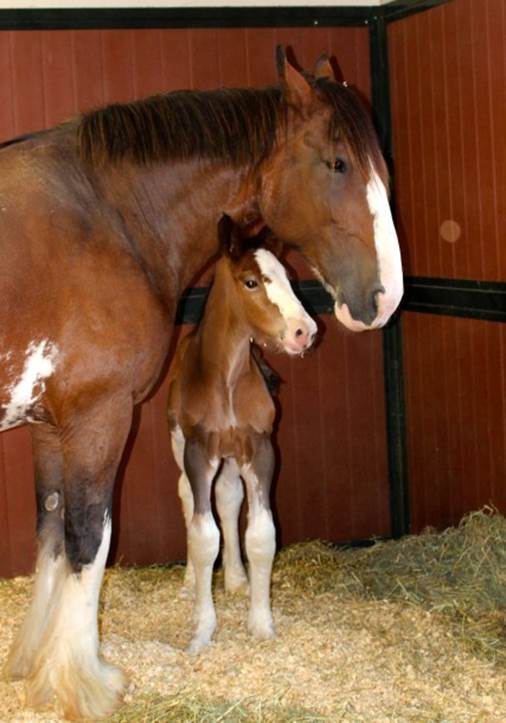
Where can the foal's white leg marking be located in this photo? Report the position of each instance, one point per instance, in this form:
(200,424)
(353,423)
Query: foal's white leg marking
(387,249)
(203,546)
(186,496)
(50,571)
(67,663)
(279,290)
(40,362)
(229,497)
(260,548)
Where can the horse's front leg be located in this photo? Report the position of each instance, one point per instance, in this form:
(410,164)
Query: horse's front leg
(50,567)
(260,536)
(229,497)
(67,663)
(203,540)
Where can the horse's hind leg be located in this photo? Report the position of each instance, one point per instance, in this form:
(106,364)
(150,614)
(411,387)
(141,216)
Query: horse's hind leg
(185,493)
(67,664)
(260,537)
(50,568)
(229,497)
(203,540)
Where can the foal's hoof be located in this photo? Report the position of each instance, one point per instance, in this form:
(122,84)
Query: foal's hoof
(262,629)
(197,645)
(237,585)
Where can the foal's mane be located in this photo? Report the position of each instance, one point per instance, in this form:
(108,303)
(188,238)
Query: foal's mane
(239,125)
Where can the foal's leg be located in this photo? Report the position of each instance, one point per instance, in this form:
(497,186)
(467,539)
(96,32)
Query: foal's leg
(67,662)
(229,497)
(186,496)
(203,541)
(50,567)
(260,537)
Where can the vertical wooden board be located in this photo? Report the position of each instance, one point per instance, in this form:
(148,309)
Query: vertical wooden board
(57,71)
(27,82)
(260,56)
(204,58)
(232,58)
(117,49)
(7,125)
(305,388)
(313,42)
(285,496)
(88,68)
(496,67)
(453,59)
(350,47)
(176,59)
(20,498)
(147,63)
(456,408)
(6,569)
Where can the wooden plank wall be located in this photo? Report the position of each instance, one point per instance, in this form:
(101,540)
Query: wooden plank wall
(333,477)
(448,86)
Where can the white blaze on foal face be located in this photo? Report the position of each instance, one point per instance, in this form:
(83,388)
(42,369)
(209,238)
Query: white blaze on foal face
(279,290)
(39,365)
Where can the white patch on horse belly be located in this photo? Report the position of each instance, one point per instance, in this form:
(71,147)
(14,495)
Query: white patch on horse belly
(387,249)
(40,363)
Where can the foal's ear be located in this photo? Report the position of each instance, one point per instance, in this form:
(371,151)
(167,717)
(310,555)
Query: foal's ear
(230,238)
(324,69)
(297,91)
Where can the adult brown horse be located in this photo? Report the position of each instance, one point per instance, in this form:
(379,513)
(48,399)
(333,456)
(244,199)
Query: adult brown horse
(220,410)
(104,221)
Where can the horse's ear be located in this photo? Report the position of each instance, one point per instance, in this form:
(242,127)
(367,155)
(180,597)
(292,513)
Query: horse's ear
(230,238)
(296,89)
(324,69)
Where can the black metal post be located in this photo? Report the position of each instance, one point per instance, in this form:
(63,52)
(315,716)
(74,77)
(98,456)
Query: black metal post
(392,338)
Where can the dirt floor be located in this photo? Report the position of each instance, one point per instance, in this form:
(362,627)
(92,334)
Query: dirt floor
(403,631)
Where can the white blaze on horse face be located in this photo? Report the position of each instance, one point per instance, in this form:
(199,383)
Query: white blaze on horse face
(387,250)
(40,362)
(280,293)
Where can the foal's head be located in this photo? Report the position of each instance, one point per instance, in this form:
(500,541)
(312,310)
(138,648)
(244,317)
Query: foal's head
(260,291)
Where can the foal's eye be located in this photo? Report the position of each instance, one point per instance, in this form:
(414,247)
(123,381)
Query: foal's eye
(338,166)
(251,284)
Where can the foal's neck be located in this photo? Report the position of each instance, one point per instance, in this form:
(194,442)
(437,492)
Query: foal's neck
(223,333)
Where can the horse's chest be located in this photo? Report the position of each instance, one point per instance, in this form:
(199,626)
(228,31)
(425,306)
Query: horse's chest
(23,378)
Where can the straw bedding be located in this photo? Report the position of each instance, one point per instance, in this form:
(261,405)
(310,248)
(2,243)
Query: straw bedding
(409,630)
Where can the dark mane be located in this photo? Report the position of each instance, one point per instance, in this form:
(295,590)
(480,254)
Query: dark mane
(239,125)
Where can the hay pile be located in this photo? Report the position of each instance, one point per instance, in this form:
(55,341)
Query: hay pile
(410,630)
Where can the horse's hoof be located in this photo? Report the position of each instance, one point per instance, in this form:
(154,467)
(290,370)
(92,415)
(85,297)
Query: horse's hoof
(197,645)
(90,694)
(262,630)
(237,586)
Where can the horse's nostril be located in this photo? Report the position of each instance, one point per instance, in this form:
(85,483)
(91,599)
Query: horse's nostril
(299,332)
(379,289)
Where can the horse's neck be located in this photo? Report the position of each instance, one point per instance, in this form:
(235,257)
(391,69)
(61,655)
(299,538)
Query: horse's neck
(223,335)
(172,213)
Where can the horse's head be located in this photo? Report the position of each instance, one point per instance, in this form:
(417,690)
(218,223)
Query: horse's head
(324,191)
(262,293)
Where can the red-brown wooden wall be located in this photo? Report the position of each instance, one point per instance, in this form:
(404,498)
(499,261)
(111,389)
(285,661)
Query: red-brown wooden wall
(448,90)
(333,477)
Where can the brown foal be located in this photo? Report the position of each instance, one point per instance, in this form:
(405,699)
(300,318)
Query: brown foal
(221,410)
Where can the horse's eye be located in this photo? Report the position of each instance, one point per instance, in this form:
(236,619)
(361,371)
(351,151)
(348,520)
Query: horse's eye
(251,283)
(339,166)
